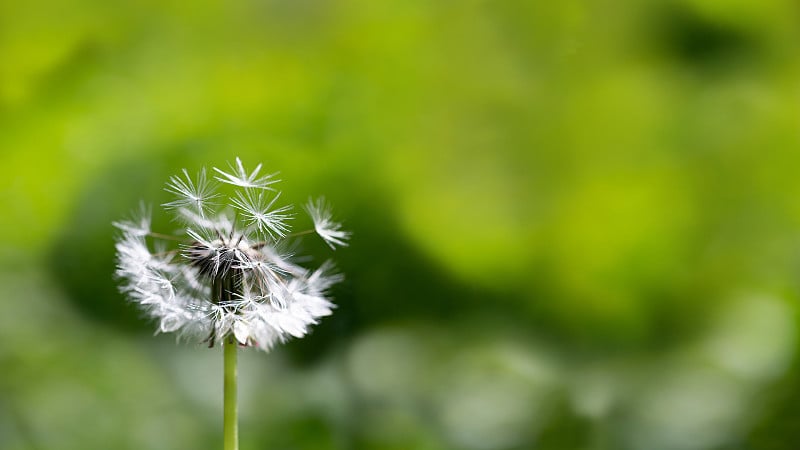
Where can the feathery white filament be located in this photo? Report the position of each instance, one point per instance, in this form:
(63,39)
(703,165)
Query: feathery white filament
(241,178)
(256,209)
(331,232)
(191,194)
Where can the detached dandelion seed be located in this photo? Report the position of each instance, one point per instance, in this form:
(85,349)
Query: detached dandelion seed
(331,232)
(225,281)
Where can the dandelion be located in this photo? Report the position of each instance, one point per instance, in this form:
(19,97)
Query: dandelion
(227,280)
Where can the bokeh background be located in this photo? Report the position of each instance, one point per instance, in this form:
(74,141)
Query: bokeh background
(576,223)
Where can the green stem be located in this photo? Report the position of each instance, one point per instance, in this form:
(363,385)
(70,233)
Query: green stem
(230,428)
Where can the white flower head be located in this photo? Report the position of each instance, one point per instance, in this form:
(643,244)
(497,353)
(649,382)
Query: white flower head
(227,276)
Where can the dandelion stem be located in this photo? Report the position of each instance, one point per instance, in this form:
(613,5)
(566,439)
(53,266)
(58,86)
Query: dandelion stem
(230,428)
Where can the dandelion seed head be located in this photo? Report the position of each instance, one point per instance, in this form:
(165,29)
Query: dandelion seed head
(227,273)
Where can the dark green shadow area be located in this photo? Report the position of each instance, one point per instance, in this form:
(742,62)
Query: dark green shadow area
(700,44)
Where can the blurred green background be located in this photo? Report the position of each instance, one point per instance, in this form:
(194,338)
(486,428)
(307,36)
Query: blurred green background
(576,224)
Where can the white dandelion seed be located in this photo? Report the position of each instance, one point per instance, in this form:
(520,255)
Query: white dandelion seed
(226,277)
(139,223)
(331,232)
(241,178)
(256,209)
(197,195)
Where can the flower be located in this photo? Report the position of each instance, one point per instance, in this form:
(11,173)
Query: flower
(228,275)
